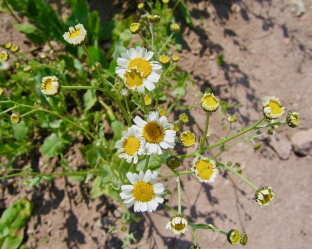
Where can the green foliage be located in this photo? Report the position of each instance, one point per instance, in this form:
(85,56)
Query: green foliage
(53,145)
(220,61)
(186,14)
(13,222)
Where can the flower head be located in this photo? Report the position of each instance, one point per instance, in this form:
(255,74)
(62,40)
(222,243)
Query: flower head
(209,102)
(272,108)
(27,69)
(162,112)
(50,85)
(175,28)
(232,119)
(243,239)
(147,100)
(143,192)
(140,6)
(175,58)
(204,169)
(164,59)
(153,18)
(187,138)
(14,48)
(292,119)
(178,224)
(233,237)
(156,133)
(4,56)
(135,28)
(183,118)
(15,118)
(76,36)
(173,162)
(8,45)
(43,55)
(131,145)
(264,195)
(124,92)
(137,71)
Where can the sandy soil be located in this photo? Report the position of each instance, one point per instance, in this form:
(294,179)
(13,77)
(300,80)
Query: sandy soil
(267,51)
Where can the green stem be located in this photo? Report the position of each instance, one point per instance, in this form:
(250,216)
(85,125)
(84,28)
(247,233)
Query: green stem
(203,139)
(179,173)
(30,112)
(11,12)
(7,110)
(179,194)
(169,208)
(271,124)
(146,41)
(236,173)
(165,44)
(146,163)
(143,103)
(175,6)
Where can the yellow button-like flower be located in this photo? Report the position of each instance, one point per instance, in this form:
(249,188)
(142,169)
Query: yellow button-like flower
(164,59)
(135,28)
(178,224)
(209,102)
(14,48)
(232,119)
(153,18)
(204,169)
(76,36)
(140,6)
(175,58)
(162,112)
(147,100)
(233,237)
(15,118)
(50,85)
(4,56)
(183,118)
(187,138)
(175,28)
(272,108)
(8,45)
(264,195)
(292,119)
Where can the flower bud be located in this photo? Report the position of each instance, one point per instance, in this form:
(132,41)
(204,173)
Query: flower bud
(175,28)
(135,28)
(292,119)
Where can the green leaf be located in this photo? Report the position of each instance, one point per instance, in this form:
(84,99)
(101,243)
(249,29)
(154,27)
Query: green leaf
(178,41)
(97,55)
(126,36)
(119,48)
(15,217)
(94,24)
(77,178)
(25,28)
(220,61)
(112,66)
(106,30)
(53,145)
(179,91)
(186,14)
(123,25)
(68,60)
(89,99)
(20,131)
(117,127)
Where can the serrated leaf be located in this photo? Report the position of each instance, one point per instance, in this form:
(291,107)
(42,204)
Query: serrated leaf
(53,145)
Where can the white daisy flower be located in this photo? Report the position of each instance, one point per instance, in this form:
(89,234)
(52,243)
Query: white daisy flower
(144,193)
(50,85)
(272,108)
(156,133)
(178,224)
(137,71)
(76,36)
(204,169)
(131,145)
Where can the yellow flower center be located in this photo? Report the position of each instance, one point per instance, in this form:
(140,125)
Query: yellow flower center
(74,34)
(188,138)
(164,59)
(162,112)
(143,191)
(153,132)
(135,27)
(234,237)
(133,78)
(204,168)
(142,65)
(48,84)
(147,100)
(209,100)
(15,119)
(266,198)
(275,108)
(178,227)
(3,56)
(131,145)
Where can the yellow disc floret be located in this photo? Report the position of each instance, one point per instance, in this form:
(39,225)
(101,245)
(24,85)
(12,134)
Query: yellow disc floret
(142,65)
(205,169)
(143,191)
(131,145)
(133,79)
(153,132)
(209,102)
(187,139)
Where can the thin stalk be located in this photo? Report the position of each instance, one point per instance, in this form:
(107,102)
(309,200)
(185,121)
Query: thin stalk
(127,105)
(165,44)
(271,124)
(30,112)
(169,208)
(144,39)
(203,139)
(143,103)
(7,110)
(139,107)
(146,163)
(236,173)
(179,194)
(175,6)
(179,173)
(11,12)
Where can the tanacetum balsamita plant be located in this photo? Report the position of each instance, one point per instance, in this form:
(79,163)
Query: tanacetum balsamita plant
(127,167)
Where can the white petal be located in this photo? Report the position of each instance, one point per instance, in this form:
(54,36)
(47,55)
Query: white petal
(133,178)
(139,122)
(122,62)
(147,176)
(149,85)
(127,188)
